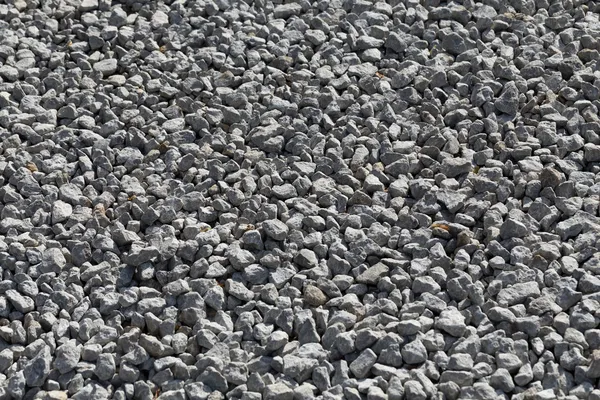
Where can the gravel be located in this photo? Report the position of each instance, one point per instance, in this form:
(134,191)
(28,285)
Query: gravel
(349,199)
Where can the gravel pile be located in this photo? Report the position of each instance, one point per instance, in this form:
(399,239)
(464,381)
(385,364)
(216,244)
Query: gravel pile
(227,199)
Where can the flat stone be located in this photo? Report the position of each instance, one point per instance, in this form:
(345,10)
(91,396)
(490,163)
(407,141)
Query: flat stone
(287,10)
(240,258)
(518,293)
(88,5)
(20,303)
(299,369)
(453,167)
(106,67)
(278,391)
(372,275)
(362,365)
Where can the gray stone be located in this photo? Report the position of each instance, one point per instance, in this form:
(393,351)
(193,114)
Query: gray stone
(502,380)
(414,352)
(571,227)
(211,238)
(91,391)
(277,340)
(373,274)
(124,237)
(53,260)
(278,391)
(517,293)
(425,284)
(275,229)
(153,346)
(592,152)
(453,167)
(105,367)
(214,379)
(285,191)
(174,125)
(159,19)
(405,76)
(408,328)
(396,42)
(15,386)
(21,303)
(238,290)
(365,42)
(136,355)
(38,368)
(508,102)
(550,177)
(6,359)
(452,322)
(460,362)
(508,361)
(593,370)
(395,388)
(88,5)
(176,288)
(138,256)
(215,298)
(240,258)
(363,363)
(524,376)
(306,258)
(197,390)
(67,356)
(106,67)
(61,211)
(512,228)
(9,73)
(299,369)
(362,70)
(454,43)
(287,10)
(414,390)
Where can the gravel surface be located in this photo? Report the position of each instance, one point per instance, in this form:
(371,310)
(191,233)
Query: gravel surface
(344,199)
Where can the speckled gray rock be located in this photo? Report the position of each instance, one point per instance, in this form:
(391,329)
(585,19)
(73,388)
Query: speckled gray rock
(275,229)
(38,368)
(372,275)
(363,363)
(414,352)
(298,200)
(106,67)
(67,356)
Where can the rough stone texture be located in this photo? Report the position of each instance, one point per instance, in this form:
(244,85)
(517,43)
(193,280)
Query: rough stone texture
(299,200)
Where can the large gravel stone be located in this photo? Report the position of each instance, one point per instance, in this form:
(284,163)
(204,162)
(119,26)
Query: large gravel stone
(106,67)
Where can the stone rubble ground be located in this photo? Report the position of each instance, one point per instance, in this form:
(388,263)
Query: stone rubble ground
(343,199)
